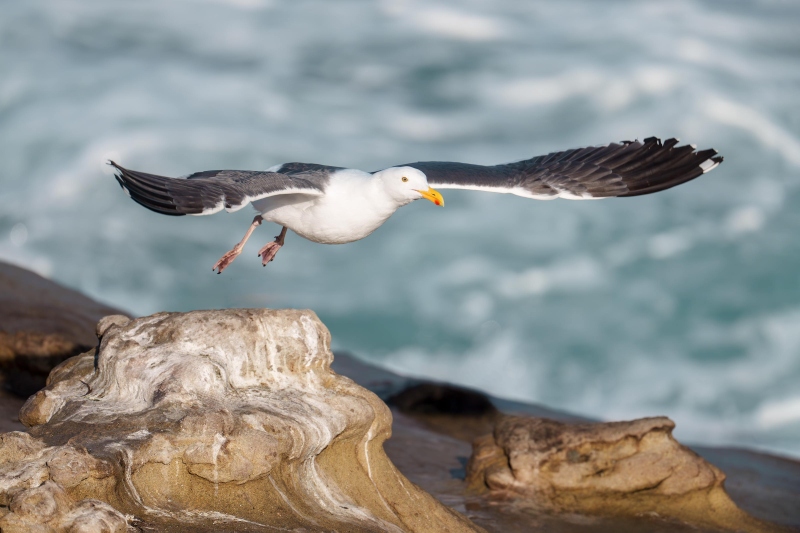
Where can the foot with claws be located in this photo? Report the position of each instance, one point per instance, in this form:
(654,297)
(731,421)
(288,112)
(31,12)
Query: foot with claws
(226,259)
(268,252)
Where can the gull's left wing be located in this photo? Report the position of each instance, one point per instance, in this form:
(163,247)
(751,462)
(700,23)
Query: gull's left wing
(629,168)
(211,191)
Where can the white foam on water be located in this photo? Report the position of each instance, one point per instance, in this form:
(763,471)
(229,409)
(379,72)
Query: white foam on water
(446,21)
(779,413)
(700,396)
(570,274)
(764,129)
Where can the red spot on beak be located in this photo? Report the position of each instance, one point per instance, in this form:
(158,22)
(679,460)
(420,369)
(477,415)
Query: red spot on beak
(437,202)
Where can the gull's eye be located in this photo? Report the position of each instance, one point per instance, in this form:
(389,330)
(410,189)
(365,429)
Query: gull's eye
(405,179)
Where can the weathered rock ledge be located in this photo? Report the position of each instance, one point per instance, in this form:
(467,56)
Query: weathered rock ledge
(41,324)
(436,424)
(233,421)
(208,421)
(614,468)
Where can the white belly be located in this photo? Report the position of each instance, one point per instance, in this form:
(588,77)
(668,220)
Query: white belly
(346,212)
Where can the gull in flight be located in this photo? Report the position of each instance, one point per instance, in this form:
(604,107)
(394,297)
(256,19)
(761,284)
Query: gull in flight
(333,205)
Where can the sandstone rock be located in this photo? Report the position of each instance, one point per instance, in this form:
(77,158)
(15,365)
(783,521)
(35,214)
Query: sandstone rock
(41,324)
(616,468)
(34,480)
(428,446)
(207,420)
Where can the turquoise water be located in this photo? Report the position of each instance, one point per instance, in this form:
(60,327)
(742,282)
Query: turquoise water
(685,303)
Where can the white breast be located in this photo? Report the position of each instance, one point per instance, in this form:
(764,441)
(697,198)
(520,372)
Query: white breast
(353,206)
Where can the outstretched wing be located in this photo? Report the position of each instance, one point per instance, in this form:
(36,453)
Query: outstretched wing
(618,169)
(211,191)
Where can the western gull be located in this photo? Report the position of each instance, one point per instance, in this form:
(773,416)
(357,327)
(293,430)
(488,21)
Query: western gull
(334,205)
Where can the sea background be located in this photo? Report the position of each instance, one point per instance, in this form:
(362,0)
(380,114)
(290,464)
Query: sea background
(685,303)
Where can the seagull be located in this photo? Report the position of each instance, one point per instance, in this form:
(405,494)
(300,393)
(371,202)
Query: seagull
(334,205)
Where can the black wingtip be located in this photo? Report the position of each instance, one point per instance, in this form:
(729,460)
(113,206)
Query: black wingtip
(665,170)
(147,190)
(119,174)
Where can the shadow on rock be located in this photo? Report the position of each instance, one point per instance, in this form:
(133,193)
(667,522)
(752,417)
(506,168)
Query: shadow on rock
(456,411)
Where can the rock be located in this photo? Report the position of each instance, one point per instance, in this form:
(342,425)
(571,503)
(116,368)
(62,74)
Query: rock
(41,325)
(208,421)
(456,411)
(34,480)
(442,399)
(10,405)
(432,442)
(764,485)
(616,468)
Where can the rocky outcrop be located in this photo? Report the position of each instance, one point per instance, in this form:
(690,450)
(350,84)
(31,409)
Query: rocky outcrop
(164,430)
(209,421)
(431,423)
(616,468)
(39,488)
(41,325)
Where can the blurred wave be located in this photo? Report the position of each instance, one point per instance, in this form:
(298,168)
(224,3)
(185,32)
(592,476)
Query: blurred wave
(685,303)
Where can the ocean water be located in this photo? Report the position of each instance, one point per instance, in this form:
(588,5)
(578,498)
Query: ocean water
(685,303)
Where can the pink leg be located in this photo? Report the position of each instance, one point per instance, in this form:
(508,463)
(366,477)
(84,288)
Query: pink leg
(268,252)
(228,258)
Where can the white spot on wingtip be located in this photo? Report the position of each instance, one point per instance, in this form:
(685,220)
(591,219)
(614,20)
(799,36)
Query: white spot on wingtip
(709,165)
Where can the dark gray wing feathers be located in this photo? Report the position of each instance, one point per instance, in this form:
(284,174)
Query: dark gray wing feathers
(213,190)
(616,170)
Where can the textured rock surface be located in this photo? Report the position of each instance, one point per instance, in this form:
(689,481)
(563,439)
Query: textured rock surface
(41,325)
(428,445)
(40,488)
(616,468)
(214,420)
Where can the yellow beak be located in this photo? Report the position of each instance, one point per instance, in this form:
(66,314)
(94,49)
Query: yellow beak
(433,195)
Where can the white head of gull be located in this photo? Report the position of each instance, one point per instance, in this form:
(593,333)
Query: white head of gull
(406,184)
